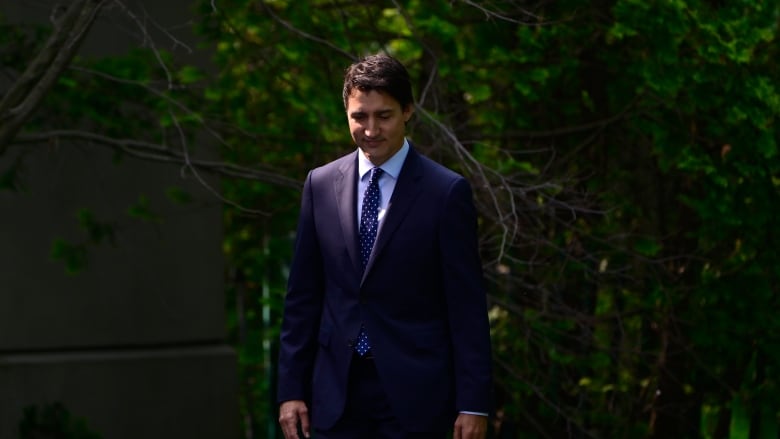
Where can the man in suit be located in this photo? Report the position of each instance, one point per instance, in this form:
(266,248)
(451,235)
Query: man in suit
(385,331)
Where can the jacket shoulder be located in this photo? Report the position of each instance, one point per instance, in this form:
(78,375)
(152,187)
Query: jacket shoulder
(436,171)
(337,166)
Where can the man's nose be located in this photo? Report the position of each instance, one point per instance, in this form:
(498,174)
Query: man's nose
(371,128)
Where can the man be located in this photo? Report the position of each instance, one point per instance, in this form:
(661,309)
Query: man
(385,331)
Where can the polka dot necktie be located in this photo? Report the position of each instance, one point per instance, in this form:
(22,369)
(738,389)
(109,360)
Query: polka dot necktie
(368,219)
(369,223)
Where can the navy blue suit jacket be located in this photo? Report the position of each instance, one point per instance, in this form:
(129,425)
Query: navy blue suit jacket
(421,298)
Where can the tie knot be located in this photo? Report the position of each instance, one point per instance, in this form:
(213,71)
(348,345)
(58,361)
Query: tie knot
(375,174)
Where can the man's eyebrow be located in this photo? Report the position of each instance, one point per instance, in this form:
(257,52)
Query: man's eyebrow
(377,112)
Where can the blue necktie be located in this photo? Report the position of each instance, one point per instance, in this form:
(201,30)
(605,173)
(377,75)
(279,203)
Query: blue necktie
(368,218)
(369,223)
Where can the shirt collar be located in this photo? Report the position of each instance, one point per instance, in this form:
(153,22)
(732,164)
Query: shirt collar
(391,167)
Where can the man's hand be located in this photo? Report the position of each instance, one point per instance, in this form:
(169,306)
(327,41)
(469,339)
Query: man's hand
(470,427)
(290,413)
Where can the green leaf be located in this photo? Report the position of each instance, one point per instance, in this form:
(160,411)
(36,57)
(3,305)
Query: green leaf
(141,210)
(178,195)
(647,246)
(74,256)
(189,75)
(96,230)
(740,420)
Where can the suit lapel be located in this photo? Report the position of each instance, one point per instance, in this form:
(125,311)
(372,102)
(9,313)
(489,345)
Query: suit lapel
(345,187)
(405,193)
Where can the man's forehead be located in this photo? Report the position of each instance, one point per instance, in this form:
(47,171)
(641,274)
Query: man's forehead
(371,100)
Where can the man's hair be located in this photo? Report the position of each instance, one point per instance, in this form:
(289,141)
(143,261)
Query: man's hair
(379,72)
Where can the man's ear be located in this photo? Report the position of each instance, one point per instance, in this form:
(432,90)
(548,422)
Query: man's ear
(408,112)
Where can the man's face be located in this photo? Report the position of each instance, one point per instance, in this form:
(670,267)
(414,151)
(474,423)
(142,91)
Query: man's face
(376,121)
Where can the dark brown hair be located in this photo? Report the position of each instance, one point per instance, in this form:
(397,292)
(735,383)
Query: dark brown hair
(379,72)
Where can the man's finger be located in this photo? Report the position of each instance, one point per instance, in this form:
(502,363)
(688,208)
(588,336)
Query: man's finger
(289,424)
(305,424)
(290,414)
(456,432)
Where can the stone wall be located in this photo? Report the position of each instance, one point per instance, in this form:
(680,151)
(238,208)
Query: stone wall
(134,343)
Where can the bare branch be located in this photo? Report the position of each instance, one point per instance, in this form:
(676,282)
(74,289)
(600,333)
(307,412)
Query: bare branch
(305,34)
(148,41)
(174,102)
(40,64)
(160,153)
(35,82)
(541,395)
(432,74)
(194,170)
(508,215)
(490,13)
(598,124)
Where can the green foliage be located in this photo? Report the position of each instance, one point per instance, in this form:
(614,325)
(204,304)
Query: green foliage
(75,256)
(633,279)
(178,195)
(53,421)
(642,137)
(10,177)
(142,210)
(97,231)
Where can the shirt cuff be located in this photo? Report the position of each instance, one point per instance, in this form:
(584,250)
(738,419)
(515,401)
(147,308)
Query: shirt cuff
(473,413)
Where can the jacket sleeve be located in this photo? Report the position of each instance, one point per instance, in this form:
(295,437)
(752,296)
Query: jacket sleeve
(302,307)
(466,300)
